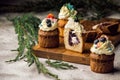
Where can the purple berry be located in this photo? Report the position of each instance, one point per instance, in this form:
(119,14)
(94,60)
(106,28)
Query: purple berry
(96,41)
(102,39)
(49,24)
(48,21)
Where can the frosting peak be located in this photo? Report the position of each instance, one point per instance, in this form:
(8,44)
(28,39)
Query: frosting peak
(67,11)
(75,25)
(102,46)
(49,23)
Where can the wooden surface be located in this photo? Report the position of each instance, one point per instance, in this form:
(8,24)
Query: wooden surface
(61,53)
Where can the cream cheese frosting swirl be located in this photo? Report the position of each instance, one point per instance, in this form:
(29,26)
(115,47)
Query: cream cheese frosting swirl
(67,11)
(102,46)
(76,26)
(48,24)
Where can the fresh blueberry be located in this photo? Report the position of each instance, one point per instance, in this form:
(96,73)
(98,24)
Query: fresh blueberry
(48,21)
(49,24)
(96,41)
(102,39)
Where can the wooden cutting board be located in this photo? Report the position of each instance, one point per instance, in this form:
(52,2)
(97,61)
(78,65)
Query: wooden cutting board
(61,53)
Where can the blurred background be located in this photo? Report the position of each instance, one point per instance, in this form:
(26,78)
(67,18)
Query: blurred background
(43,5)
(95,8)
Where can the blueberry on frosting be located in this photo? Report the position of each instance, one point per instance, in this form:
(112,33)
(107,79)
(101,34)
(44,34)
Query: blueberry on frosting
(102,39)
(49,24)
(48,21)
(96,41)
(102,46)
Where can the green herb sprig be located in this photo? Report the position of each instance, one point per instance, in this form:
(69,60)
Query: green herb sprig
(26,27)
(60,65)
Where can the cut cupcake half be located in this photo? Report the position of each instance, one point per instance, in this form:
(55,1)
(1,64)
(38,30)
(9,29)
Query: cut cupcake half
(73,41)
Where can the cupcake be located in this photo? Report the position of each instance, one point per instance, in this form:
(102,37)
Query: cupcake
(66,12)
(48,32)
(102,55)
(73,33)
(107,27)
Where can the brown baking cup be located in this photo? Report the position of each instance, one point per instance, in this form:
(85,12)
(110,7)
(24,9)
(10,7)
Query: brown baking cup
(101,63)
(48,39)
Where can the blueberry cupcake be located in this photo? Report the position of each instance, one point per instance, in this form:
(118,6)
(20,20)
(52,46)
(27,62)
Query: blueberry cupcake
(102,55)
(48,35)
(73,33)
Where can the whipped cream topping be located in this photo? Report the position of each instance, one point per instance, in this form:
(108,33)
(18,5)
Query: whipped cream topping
(67,11)
(76,26)
(102,46)
(48,24)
